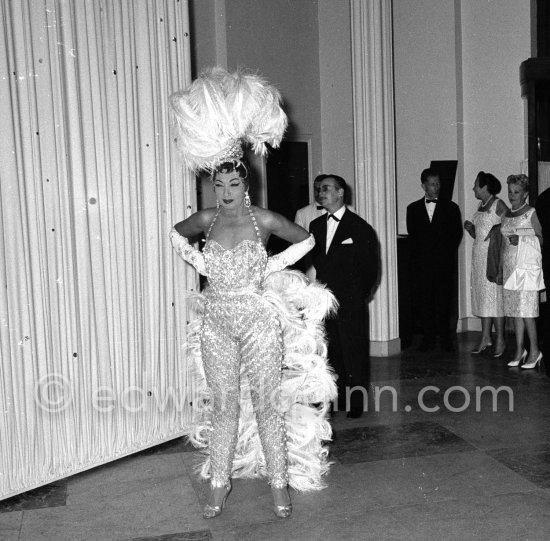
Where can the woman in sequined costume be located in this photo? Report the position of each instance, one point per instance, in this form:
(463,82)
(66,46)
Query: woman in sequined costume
(258,341)
(239,329)
(486,295)
(521,228)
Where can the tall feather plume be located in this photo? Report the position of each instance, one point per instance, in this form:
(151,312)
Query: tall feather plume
(220,111)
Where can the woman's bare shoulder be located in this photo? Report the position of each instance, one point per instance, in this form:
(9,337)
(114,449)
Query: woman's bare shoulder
(209,213)
(265,216)
(198,221)
(259,211)
(274,223)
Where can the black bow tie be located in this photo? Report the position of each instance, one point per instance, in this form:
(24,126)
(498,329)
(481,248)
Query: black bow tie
(333,217)
(319,207)
(431,201)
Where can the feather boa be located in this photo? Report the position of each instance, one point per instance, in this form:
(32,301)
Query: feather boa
(307,387)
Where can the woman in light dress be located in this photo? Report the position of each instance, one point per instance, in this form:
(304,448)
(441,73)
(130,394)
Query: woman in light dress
(521,228)
(487,301)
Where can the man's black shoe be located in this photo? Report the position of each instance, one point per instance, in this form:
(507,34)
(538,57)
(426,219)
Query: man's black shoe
(447,345)
(354,413)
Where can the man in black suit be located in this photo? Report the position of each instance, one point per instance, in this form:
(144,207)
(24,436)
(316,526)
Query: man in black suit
(542,207)
(345,258)
(435,230)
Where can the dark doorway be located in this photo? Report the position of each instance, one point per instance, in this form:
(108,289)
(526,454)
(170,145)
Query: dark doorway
(287,173)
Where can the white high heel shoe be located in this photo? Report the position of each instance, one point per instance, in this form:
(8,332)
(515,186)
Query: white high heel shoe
(521,359)
(534,363)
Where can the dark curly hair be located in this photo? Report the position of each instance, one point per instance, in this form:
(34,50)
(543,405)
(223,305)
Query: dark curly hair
(238,166)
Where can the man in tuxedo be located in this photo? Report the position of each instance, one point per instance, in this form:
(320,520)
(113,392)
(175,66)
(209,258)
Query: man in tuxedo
(435,230)
(345,258)
(542,207)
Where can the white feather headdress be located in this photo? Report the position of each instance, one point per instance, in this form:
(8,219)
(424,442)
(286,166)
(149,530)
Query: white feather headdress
(220,112)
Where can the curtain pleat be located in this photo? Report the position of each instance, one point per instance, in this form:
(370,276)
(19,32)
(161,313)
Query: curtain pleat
(92,304)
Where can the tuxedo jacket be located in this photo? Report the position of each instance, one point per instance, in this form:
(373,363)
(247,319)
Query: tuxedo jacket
(542,207)
(350,268)
(434,244)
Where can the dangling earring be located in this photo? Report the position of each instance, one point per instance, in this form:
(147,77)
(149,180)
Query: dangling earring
(247,201)
(217,203)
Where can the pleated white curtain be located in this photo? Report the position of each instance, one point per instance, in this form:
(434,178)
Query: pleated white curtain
(92,307)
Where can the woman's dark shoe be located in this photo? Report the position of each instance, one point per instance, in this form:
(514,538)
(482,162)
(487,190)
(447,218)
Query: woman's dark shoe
(211,511)
(281,495)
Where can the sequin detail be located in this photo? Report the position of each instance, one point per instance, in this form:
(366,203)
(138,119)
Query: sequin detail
(240,327)
(516,303)
(486,296)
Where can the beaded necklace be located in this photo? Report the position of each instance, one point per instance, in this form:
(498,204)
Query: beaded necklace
(519,208)
(484,205)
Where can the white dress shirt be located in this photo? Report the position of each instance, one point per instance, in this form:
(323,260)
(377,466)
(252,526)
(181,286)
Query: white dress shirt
(307,214)
(332,225)
(430,209)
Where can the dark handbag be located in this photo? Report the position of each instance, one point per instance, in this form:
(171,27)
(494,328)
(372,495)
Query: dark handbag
(494,268)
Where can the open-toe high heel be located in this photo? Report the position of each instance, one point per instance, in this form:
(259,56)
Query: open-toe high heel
(211,511)
(521,359)
(283,511)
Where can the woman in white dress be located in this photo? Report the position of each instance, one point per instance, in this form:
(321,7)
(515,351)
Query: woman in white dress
(522,276)
(487,301)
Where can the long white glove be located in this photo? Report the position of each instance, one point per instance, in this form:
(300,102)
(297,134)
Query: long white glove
(188,252)
(289,256)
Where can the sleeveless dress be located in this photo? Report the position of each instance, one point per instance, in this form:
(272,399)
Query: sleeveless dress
(516,303)
(269,321)
(486,296)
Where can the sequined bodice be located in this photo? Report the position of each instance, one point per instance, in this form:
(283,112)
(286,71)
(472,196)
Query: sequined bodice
(511,223)
(239,269)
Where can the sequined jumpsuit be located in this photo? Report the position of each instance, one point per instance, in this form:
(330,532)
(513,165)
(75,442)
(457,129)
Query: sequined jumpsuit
(240,328)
